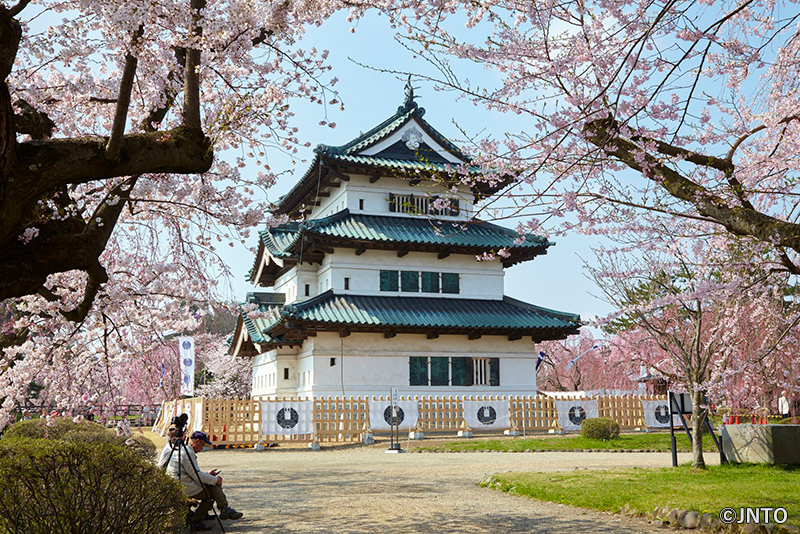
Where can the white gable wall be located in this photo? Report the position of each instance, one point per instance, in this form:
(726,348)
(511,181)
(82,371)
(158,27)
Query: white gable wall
(419,133)
(376,197)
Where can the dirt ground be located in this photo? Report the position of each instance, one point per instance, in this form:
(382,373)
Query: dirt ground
(363,489)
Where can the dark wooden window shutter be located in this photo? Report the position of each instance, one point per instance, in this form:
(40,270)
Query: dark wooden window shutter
(440,371)
(417,371)
(430,282)
(409,281)
(494,371)
(450,283)
(389,281)
(462,371)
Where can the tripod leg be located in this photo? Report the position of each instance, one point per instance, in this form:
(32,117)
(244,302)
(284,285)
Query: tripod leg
(205,489)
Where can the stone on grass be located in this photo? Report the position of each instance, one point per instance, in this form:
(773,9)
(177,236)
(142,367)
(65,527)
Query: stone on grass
(672,517)
(709,521)
(692,520)
(682,517)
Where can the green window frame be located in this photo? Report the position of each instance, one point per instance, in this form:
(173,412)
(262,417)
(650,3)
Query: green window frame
(430,282)
(450,283)
(461,371)
(409,281)
(440,371)
(389,281)
(417,371)
(494,371)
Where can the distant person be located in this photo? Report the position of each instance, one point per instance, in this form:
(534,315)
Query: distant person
(194,482)
(784,406)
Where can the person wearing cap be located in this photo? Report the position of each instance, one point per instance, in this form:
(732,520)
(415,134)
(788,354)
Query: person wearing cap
(195,480)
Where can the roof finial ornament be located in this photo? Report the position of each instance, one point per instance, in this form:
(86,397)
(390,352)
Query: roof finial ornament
(408,102)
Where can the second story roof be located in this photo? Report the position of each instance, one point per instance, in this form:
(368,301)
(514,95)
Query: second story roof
(283,246)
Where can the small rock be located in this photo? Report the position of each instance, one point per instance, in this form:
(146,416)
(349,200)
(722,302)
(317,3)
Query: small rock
(788,529)
(672,517)
(682,517)
(707,521)
(692,520)
(656,512)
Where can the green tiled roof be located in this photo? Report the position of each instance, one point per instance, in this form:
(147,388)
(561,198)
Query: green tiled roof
(348,155)
(402,230)
(268,316)
(279,240)
(434,313)
(405,165)
(479,235)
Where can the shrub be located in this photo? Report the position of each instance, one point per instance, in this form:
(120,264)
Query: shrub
(599,428)
(81,486)
(64,429)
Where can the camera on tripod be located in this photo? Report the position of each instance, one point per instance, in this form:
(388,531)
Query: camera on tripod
(179,422)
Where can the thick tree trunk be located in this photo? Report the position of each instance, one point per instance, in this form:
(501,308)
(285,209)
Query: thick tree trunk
(698,423)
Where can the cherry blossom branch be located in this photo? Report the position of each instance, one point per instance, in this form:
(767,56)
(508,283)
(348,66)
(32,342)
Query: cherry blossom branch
(604,133)
(124,98)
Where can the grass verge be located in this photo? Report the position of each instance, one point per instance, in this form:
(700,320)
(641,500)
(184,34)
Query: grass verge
(653,442)
(642,490)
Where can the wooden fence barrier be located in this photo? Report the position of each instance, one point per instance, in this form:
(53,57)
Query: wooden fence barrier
(346,419)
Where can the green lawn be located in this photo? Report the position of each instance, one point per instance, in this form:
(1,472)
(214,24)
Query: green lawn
(656,442)
(642,490)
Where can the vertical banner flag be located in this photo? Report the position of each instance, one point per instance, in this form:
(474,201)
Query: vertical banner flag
(571,413)
(163,372)
(540,359)
(186,350)
(656,414)
(487,414)
(380,414)
(290,417)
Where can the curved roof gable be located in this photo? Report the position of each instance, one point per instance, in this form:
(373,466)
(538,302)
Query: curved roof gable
(404,144)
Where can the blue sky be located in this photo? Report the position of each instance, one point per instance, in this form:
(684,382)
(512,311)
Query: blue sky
(556,280)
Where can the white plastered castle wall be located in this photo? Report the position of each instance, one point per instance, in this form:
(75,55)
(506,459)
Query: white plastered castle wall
(376,197)
(478,280)
(367,364)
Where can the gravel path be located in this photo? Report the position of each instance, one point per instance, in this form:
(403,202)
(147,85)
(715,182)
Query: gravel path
(364,489)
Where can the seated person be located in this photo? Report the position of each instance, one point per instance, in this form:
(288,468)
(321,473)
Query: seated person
(166,452)
(194,481)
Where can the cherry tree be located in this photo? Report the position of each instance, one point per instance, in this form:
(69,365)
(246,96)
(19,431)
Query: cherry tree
(225,377)
(678,108)
(584,363)
(699,315)
(112,200)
